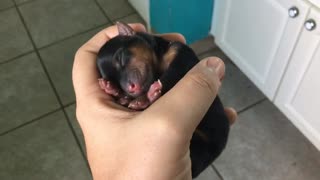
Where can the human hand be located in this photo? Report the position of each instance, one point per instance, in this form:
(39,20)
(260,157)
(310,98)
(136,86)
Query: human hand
(151,144)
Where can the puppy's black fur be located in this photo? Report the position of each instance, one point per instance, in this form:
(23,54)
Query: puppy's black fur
(211,135)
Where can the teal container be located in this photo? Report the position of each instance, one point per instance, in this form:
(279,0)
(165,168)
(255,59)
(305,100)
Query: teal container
(192,18)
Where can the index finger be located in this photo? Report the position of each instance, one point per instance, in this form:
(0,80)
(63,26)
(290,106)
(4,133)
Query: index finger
(84,74)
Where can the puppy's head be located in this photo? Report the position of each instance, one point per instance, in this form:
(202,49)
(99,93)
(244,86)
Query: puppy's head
(129,61)
(134,67)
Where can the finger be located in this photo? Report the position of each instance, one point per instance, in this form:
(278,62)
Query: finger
(84,74)
(173,37)
(186,103)
(231,115)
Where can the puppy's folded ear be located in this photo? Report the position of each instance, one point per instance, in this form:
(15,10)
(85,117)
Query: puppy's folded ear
(125,29)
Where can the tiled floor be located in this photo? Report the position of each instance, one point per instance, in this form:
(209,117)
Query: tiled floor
(39,134)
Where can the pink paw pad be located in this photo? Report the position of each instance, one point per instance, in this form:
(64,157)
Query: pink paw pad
(139,103)
(108,87)
(154,91)
(124,100)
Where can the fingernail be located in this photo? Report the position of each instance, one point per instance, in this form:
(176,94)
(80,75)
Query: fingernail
(215,64)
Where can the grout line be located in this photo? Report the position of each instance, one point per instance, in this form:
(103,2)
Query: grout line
(217,172)
(66,38)
(133,13)
(7,8)
(52,86)
(77,139)
(16,57)
(29,122)
(38,54)
(23,3)
(69,104)
(72,36)
(55,42)
(209,50)
(114,20)
(103,12)
(250,106)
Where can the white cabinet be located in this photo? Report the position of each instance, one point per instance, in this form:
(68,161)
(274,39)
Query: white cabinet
(259,36)
(279,53)
(315,2)
(299,92)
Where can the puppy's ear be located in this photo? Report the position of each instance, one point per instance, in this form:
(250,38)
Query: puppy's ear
(124,29)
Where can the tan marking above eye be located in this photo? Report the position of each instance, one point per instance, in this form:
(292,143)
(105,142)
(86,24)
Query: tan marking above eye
(142,53)
(144,58)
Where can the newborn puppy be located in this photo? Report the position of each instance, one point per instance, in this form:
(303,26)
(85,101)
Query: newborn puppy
(137,68)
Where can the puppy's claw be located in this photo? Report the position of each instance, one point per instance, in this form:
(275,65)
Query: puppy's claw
(102,83)
(155,91)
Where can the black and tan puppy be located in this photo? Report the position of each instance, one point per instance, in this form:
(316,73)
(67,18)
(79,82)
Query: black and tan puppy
(137,68)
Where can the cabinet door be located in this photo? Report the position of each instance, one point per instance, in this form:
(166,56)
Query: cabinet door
(258,36)
(299,92)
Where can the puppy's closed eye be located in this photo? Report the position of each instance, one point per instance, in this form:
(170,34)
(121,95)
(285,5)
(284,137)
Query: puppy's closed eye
(121,58)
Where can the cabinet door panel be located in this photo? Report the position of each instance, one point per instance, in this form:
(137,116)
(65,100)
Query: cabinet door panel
(259,37)
(257,50)
(298,95)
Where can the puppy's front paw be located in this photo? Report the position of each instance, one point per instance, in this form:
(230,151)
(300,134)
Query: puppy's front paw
(154,91)
(124,100)
(109,87)
(140,103)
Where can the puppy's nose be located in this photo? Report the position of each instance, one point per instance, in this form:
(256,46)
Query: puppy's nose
(133,88)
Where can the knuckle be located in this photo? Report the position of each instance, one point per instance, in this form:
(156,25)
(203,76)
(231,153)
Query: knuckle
(181,38)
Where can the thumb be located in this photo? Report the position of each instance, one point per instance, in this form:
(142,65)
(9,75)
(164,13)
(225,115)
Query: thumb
(186,103)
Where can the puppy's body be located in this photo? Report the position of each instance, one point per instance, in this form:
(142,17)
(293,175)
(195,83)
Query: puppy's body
(136,68)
